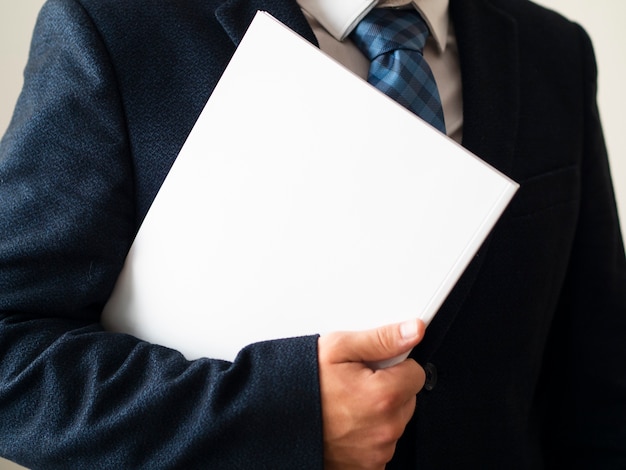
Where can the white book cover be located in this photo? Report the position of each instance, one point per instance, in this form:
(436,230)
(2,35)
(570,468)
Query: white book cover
(303,201)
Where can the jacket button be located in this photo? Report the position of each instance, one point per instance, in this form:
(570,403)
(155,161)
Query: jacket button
(431,376)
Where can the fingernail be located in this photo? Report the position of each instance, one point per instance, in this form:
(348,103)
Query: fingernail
(408,330)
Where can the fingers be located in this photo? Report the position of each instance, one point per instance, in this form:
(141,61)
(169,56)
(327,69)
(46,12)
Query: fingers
(374,345)
(365,411)
(407,375)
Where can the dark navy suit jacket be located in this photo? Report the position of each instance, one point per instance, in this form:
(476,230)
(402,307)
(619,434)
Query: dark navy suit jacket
(529,349)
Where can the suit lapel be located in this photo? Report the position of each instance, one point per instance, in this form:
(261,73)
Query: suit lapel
(488,50)
(235,16)
(489,69)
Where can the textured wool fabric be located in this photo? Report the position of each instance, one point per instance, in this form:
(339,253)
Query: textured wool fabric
(528,348)
(393,40)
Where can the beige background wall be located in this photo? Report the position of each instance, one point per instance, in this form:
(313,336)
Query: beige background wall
(601,18)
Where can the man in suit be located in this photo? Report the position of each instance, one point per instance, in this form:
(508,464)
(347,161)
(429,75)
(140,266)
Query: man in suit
(525,360)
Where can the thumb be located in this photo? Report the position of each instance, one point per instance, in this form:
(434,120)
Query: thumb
(379,344)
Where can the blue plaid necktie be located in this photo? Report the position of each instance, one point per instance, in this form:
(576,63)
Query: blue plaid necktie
(393,41)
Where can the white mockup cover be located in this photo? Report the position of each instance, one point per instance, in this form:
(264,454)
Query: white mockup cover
(304,201)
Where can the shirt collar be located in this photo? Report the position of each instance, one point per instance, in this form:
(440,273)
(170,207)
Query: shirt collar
(340,17)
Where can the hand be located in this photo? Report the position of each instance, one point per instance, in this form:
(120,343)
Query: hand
(365,411)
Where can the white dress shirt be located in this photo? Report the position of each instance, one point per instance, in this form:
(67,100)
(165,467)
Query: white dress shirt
(441,53)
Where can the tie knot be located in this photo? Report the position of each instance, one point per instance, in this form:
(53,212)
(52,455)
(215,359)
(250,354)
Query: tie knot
(387,29)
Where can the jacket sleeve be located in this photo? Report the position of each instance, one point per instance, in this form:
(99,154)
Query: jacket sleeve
(71,394)
(584,379)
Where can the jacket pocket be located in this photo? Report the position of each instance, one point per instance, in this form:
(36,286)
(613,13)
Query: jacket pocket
(543,192)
